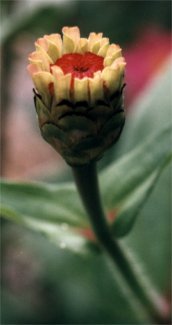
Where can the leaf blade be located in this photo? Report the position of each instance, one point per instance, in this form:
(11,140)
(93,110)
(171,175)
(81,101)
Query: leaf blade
(130,178)
(52,203)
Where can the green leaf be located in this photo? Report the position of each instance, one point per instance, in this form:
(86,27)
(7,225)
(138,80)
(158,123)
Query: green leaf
(148,120)
(150,237)
(132,206)
(54,211)
(43,202)
(127,184)
(151,111)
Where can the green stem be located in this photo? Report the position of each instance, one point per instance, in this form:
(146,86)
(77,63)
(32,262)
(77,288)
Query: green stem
(87,184)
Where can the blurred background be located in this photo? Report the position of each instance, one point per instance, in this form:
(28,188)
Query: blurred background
(40,284)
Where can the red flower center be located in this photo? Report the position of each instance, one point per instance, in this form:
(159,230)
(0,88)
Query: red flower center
(80,65)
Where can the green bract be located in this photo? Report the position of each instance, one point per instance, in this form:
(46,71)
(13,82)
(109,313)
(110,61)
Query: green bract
(79,132)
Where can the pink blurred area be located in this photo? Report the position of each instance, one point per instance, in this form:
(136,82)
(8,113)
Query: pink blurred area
(26,154)
(144,58)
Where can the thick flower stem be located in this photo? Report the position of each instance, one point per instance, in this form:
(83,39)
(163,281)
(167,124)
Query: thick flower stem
(87,184)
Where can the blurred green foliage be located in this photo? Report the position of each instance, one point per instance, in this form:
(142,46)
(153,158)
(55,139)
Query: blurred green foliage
(120,20)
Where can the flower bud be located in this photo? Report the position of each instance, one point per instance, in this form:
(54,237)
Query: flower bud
(78,93)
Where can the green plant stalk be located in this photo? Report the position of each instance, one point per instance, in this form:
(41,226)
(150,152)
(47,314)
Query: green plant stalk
(87,183)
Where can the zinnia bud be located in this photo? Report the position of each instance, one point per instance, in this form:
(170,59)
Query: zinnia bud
(78,96)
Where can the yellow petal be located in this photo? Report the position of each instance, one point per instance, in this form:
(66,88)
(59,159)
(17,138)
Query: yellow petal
(71,37)
(111,78)
(54,46)
(81,90)
(82,45)
(94,42)
(104,45)
(119,64)
(32,69)
(62,84)
(53,51)
(55,38)
(122,67)
(34,58)
(122,70)
(95,47)
(99,44)
(45,55)
(42,81)
(96,87)
(112,49)
(108,60)
(41,42)
(104,41)
(41,59)
(113,52)
(42,48)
